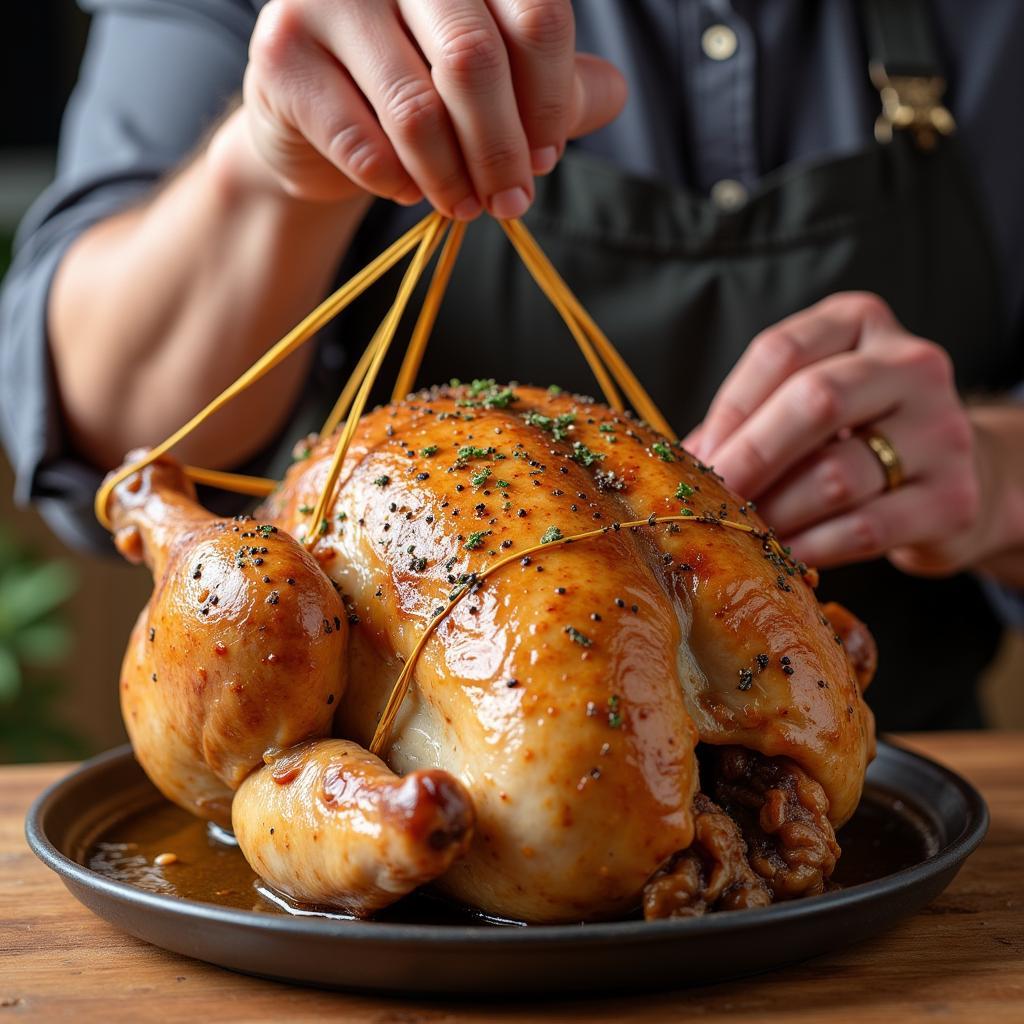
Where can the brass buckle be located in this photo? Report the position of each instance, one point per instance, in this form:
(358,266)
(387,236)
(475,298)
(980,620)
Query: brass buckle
(911,102)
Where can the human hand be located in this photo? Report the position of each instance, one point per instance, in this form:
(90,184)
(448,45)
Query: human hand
(781,431)
(461,101)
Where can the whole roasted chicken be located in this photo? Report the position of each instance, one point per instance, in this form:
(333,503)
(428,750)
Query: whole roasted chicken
(656,715)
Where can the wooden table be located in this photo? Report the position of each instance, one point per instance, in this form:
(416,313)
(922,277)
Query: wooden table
(960,960)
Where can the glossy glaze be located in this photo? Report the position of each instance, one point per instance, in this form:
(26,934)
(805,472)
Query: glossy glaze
(228,659)
(328,823)
(568,693)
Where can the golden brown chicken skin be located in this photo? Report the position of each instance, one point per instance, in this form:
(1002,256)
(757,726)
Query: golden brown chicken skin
(552,692)
(327,823)
(567,691)
(240,649)
(766,667)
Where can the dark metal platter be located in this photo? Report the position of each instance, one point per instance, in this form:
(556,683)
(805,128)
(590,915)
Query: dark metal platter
(917,824)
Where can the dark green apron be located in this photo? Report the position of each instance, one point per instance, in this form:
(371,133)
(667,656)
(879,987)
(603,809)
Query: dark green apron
(681,287)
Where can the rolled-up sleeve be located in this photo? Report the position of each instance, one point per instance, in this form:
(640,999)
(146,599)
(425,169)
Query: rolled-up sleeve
(156,75)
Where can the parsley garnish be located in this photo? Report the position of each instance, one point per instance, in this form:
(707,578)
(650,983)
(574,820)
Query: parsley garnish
(382,481)
(304,510)
(471,451)
(614,718)
(431,449)
(684,490)
(480,476)
(476,540)
(558,426)
(584,456)
(551,534)
(577,637)
(663,451)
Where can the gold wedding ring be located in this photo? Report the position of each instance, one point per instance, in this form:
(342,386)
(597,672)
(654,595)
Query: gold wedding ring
(887,456)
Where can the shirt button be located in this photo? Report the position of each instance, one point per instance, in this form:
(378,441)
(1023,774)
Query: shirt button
(728,194)
(719,42)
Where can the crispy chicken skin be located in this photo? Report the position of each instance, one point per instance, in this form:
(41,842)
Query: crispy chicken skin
(240,649)
(542,765)
(568,693)
(328,823)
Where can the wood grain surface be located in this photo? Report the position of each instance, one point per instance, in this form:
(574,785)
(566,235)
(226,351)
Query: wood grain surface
(960,960)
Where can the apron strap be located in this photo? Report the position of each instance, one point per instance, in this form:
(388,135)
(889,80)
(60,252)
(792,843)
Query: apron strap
(900,37)
(905,68)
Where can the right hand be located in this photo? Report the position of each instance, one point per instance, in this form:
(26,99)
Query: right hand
(458,101)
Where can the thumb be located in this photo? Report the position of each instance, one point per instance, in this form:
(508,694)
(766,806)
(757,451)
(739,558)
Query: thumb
(599,94)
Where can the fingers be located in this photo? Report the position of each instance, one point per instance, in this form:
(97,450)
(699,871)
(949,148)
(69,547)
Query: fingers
(314,95)
(917,514)
(805,412)
(461,101)
(471,71)
(540,37)
(831,326)
(370,42)
(598,95)
(843,475)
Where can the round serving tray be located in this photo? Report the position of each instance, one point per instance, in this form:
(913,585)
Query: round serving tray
(481,959)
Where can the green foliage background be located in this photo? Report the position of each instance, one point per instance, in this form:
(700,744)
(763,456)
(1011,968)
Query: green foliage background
(34,640)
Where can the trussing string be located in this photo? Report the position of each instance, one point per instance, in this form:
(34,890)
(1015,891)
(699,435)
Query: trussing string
(293,340)
(557,293)
(406,380)
(382,733)
(256,486)
(377,349)
(539,264)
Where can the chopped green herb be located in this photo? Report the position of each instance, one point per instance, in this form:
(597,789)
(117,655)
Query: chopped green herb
(686,511)
(323,526)
(558,426)
(266,530)
(614,717)
(304,510)
(663,451)
(551,534)
(471,451)
(684,490)
(577,637)
(342,516)
(382,481)
(476,540)
(487,394)
(502,483)
(584,456)
(554,389)
(480,476)
(607,428)
(500,398)
(431,449)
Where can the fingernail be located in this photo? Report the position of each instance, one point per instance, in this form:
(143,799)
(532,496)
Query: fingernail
(511,203)
(467,209)
(409,196)
(543,159)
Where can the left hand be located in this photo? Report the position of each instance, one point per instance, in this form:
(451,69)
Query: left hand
(781,432)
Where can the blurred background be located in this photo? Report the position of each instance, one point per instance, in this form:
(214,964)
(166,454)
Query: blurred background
(65,617)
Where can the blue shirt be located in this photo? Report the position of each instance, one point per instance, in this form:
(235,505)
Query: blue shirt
(157,73)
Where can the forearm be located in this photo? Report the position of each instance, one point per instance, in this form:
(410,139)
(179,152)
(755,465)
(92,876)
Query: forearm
(999,430)
(154,311)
